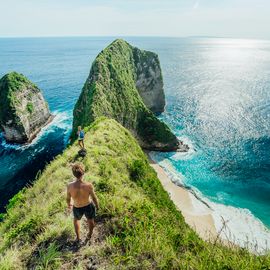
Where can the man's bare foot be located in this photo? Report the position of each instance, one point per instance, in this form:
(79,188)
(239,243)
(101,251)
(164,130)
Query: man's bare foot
(78,242)
(88,238)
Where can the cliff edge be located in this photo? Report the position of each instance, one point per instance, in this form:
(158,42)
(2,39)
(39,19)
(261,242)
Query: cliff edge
(23,110)
(124,84)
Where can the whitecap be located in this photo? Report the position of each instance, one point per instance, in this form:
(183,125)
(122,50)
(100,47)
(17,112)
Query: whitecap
(240,226)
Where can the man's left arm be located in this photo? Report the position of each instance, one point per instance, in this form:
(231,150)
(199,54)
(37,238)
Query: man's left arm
(94,197)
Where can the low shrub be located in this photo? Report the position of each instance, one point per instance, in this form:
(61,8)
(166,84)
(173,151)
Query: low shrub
(137,170)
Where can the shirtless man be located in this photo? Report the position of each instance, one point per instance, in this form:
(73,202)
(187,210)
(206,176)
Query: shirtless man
(80,191)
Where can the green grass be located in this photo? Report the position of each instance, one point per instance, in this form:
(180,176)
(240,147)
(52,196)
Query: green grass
(49,258)
(141,228)
(110,91)
(30,107)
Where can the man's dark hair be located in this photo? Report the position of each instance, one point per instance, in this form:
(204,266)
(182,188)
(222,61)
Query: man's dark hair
(78,170)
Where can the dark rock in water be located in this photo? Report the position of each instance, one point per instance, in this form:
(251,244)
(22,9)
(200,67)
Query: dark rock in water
(125,84)
(82,153)
(23,110)
(183,147)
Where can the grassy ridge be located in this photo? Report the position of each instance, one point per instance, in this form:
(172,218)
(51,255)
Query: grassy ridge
(138,225)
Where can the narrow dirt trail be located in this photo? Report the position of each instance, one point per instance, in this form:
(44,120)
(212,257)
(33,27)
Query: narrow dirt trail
(85,255)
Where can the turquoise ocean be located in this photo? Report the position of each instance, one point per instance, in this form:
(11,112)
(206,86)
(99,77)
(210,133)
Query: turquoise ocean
(217,100)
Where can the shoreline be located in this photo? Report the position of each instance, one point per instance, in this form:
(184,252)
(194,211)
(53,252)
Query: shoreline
(211,221)
(201,221)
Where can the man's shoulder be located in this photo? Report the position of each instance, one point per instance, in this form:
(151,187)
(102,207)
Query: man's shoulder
(88,184)
(71,184)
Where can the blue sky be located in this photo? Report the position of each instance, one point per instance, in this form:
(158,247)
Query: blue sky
(226,18)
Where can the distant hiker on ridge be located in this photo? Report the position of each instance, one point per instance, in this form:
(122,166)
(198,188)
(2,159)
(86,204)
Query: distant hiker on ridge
(80,192)
(80,134)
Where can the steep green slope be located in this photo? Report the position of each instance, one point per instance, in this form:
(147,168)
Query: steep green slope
(110,91)
(138,226)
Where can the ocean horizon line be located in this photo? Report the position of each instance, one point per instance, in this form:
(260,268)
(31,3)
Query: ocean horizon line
(135,36)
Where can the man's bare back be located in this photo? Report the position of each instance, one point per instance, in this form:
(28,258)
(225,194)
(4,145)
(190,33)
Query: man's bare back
(85,201)
(80,192)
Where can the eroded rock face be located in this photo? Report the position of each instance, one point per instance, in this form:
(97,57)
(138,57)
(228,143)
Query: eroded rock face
(23,110)
(125,84)
(149,81)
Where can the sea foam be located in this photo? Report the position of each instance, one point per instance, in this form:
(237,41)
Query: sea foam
(62,120)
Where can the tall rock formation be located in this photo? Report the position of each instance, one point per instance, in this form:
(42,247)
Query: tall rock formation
(112,89)
(23,110)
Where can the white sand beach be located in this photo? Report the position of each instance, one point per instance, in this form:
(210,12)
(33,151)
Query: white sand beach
(199,218)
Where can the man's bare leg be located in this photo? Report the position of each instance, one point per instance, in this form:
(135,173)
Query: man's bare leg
(91,225)
(82,144)
(77,228)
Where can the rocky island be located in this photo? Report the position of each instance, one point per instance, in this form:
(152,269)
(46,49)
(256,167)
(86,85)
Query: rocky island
(23,110)
(125,83)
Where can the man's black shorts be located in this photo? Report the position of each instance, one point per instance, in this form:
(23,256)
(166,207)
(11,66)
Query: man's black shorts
(89,211)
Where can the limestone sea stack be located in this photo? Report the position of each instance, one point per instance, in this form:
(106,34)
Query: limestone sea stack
(125,83)
(23,110)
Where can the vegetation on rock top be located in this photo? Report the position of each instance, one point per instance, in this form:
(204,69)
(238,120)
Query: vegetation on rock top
(23,110)
(10,85)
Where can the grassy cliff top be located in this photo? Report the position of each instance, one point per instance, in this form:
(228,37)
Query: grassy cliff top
(138,226)
(110,91)
(10,87)
(14,81)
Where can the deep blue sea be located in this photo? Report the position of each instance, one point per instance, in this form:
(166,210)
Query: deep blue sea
(218,100)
